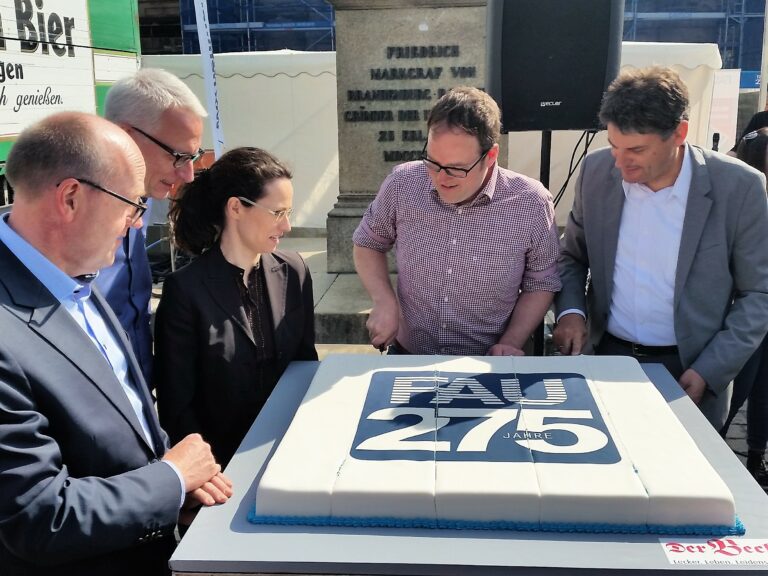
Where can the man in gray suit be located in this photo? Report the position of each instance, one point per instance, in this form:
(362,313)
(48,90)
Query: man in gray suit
(671,243)
(88,484)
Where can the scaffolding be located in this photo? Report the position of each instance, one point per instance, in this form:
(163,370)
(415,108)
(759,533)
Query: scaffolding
(252,25)
(735,25)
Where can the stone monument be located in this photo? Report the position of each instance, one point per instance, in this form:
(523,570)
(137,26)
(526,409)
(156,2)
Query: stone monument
(394,59)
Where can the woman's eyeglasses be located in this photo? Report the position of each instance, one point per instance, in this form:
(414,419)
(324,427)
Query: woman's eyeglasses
(278,214)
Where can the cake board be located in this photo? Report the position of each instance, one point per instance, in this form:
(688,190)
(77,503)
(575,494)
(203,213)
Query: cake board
(222,541)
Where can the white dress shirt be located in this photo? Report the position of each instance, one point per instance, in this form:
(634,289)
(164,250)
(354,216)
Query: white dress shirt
(642,303)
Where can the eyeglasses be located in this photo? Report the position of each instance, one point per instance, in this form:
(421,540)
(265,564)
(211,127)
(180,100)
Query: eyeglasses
(278,214)
(179,158)
(138,207)
(451,171)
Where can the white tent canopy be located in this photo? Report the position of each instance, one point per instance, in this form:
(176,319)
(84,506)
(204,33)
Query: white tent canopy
(682,55)
(283,101)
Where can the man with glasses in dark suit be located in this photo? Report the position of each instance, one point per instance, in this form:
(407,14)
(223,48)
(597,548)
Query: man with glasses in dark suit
(164,118)
(89,485)
(476,244)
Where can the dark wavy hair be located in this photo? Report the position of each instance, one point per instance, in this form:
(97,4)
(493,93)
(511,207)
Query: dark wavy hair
(752,149)
(650,100)
(197,213)
(471,110)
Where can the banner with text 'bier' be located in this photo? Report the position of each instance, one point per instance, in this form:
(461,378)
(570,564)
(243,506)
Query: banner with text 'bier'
(46,63)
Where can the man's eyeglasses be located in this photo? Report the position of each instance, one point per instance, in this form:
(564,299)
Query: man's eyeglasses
(278,214)
(138,207)
(179,158)
(451,171)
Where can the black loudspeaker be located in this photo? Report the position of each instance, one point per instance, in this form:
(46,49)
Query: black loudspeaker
(549,61)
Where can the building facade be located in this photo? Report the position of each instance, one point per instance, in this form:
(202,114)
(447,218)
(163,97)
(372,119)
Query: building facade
(256,25)
(736,26)
(169,26)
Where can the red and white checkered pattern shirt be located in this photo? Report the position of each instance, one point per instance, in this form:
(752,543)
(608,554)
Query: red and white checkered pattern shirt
(461,267)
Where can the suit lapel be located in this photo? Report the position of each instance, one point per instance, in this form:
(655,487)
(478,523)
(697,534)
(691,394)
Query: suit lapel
(50,320)
(136,252)
(610,222)
(276,274)
(128,243)
(221,284)
(696,213)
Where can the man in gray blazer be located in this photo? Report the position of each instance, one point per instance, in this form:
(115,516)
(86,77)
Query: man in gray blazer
(665,255)
(88,484)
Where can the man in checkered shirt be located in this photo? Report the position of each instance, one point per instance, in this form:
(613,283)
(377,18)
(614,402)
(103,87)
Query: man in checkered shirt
(476,244)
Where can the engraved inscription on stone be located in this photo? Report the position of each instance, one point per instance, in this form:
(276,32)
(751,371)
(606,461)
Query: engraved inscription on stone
(439,78)
(394,58)
(391,76)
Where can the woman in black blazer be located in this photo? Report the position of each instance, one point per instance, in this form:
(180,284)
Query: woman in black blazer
(229,323)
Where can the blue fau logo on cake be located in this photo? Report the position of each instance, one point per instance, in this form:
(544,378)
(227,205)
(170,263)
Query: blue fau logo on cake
(455,416)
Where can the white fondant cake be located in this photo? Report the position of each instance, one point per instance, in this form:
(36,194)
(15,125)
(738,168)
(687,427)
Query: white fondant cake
(565,443)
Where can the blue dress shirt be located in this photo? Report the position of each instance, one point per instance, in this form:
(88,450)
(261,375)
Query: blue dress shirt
(74,296)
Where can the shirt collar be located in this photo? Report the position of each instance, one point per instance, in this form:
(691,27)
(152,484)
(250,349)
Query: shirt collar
(679,190)
(490,186)
(53,278)
(83,283)
(253,276)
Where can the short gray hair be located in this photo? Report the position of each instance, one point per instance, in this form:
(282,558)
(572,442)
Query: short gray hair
(64,145)
(143,97)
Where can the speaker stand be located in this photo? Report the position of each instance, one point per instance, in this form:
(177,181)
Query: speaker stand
(546,156)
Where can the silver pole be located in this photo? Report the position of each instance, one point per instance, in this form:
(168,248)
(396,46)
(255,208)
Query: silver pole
(173,255)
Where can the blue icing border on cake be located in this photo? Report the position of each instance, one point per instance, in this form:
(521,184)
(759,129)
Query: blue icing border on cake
(387,522)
